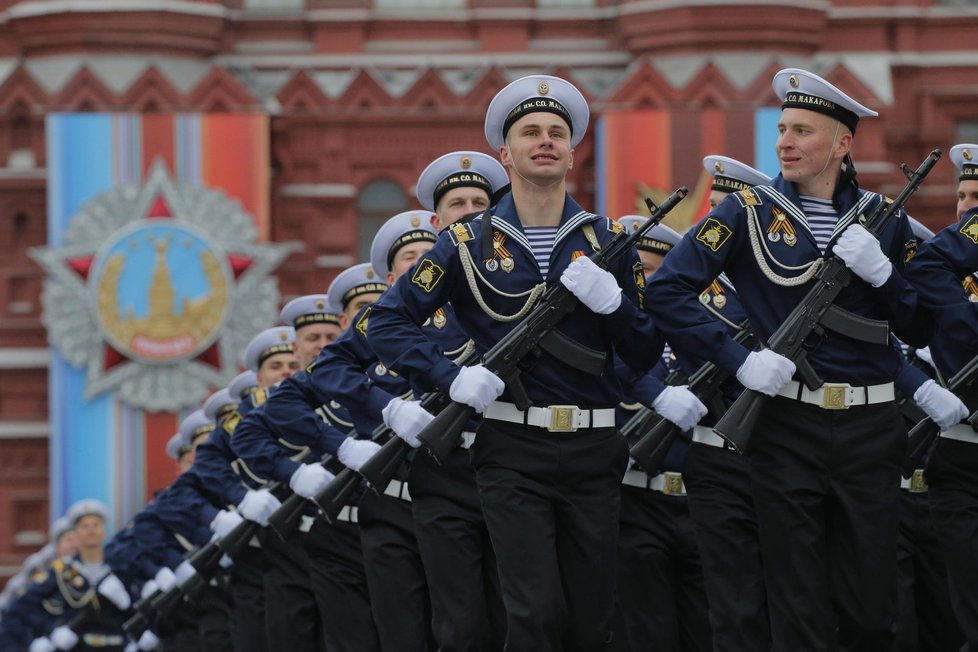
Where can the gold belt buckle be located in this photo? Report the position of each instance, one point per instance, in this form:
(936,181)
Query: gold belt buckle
(562,418)
(917,482)
(673,486)
(834,396)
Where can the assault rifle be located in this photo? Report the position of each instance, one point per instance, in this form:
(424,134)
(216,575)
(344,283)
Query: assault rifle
(206,561)
(925,433)
(380,469)
(817,313)
(536,333)
(655,435)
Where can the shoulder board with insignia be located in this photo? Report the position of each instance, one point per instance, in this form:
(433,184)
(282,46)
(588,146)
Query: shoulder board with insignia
(747,197)
(259,396)
(614,226)
(461,232)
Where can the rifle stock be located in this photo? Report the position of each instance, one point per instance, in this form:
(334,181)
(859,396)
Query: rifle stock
(504,358)
(338,493)
(382,466)
(923,435)
(738,423)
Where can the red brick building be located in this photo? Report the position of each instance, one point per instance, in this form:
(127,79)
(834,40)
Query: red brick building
(363,93)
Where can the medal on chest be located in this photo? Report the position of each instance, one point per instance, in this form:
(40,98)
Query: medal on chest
(501,258)
(781,228)
(971,288)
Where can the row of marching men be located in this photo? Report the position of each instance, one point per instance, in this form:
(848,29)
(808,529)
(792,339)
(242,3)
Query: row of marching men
(409,564)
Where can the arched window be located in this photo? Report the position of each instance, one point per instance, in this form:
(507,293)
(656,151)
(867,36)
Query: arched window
(379,201)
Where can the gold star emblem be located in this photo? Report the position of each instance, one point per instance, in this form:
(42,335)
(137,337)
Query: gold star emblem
(718,166)
(415,222)
(370,273)
(966,153)
(320,304)
(466,163)
(793,80)
(543,88)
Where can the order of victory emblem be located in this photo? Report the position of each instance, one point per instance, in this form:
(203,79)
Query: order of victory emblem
(158,290)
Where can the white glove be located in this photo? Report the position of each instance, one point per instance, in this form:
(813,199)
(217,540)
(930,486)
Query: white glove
(476,386)
(258,505)
(148,641)
(184,572)
(406,419)
(309,479)
(766,372)
(596,288)
(680,406)
(224,522)
(42,645)
(165,579)
(940,404)
(925,355)
(131,647)
(861,253)
(354,452)
(111,587)
(149,588)
(63,638)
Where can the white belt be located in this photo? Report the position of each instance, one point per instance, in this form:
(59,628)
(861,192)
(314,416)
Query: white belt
(468,438)
(555,418)
(704,435)
(306,523)
(667,482)
(838,396)
(398,489)
(348,514)
(961,432)
(102,640)
(915,484)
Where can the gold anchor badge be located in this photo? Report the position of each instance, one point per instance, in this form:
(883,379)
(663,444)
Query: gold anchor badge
(781,226)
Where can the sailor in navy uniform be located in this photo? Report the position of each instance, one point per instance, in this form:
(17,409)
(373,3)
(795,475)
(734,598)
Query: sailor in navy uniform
(824,480)
(660,575)
(316,577)
(467,609)
(717,479)
(937,271)
(349,372)
(83,579)
(548,479)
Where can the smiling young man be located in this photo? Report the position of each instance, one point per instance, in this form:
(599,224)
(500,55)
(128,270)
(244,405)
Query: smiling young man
(824,474)
(548,477)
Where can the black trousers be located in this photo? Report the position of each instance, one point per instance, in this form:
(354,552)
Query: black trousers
(292,613)
(952,474)
(660,578)
(459,562)
(720,504)
(826,492)
(248,631)
(213,614)
(340,584)
(398,591)
(551,503)
(925,621)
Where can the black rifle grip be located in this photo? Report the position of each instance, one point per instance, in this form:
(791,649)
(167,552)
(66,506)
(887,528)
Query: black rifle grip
(919,441)
(443,433)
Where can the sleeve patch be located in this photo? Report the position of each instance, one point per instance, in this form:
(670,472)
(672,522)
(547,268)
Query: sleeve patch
(970,229)
(361,324)
(259,396)
(427,275)
(909,251)
(713,234)
(231,423)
